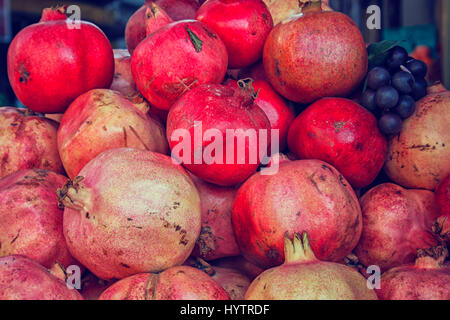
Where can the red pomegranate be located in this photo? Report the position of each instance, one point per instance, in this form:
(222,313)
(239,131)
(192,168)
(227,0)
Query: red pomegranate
(27,142)
(44,58)
(342,133)
(233,281)
(179,9)
(305,195)
(277,111)
(24,279)
(314,55)
(123,78)
(197,56)
(230,118)
(123,206)
(30,220)
(396,222)
(177,283)
(101,120)
(243,25)
(304,277)
(442,197)
(135,30)
(216,236)
(155,18)
(427,279)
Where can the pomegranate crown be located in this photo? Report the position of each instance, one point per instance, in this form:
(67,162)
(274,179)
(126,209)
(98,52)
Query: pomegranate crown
(54,13)
(431,258)
(298,249)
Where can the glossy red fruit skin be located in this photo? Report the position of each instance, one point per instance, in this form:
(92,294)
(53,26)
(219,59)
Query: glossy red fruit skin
(135,30)
(243,25)
(221,108)
(315,55)
(179,9)
(277,111)
(155,18)
(342,133)
(162,77)
(307,195)
(49,64)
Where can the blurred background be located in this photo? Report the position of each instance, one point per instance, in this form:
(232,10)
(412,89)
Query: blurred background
(424,25)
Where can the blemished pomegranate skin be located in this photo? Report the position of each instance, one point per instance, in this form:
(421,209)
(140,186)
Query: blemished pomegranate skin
(314,55)
(130,211)
(27,142)
(307,195)
(177,283)
(24,279)
(197,56)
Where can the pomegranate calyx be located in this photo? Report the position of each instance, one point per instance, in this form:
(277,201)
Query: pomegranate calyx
(431,258)
(66,194)
(54,14)
(201,264)
(298,249)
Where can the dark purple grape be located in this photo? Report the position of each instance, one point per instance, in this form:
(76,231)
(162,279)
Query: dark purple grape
(405,107)
(403,81)
(368,101)
(386,97)
(390,124)
(419,89)
(418,68)
(397,56)
(378,77)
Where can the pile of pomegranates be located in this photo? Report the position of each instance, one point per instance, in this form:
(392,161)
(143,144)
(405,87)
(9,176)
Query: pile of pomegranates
(230,151)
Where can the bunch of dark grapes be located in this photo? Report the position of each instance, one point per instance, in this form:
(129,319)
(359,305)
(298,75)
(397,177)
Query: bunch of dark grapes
(393,89)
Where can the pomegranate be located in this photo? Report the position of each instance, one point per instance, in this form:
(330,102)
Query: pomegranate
(177,283)
(197,56)
(243,25)
(419,157)
(27,142)
(208,112)
(30,220)
(284,9)
(216,236)
(427,279)
(24,279)
(315,55)
(280,114)
(307,195)
(442,197)
(135,30)
(233,281)
(342,133)
(179,9)
(239,263)
(396,222)
(123,79)
(155,18)
(304,277)
(123,205)
(100,120)
(45,57)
